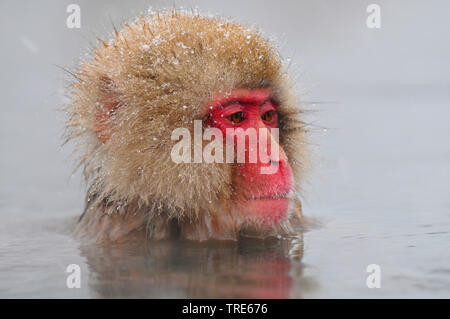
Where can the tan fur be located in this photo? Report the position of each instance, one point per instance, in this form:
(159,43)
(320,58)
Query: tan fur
(152,68)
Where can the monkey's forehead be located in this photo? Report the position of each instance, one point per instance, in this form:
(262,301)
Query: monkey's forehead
(174,50)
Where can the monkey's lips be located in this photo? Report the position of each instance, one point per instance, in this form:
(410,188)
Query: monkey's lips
(269,197)
(270,208)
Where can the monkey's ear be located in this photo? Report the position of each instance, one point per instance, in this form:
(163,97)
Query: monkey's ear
(106,106)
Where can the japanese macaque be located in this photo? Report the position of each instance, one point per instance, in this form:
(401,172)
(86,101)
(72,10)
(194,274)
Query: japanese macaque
(163,72)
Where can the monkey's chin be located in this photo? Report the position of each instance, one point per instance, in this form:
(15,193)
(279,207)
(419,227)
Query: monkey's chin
(268,211)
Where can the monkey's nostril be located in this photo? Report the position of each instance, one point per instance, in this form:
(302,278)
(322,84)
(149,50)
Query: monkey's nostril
(272,162)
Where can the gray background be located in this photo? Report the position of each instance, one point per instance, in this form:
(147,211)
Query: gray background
(380,183)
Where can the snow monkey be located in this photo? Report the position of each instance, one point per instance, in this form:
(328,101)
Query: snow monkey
(166,71)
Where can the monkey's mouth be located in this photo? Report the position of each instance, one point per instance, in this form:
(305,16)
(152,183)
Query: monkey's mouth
(275,196)
(268,197)
(269,207)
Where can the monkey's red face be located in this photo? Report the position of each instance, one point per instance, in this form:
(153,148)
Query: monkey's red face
(262,185)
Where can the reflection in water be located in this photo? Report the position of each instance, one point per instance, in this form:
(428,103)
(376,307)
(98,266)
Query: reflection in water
(246,269)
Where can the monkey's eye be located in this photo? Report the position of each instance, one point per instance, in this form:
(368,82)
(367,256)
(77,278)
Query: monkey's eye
(236,118)
(268,116)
